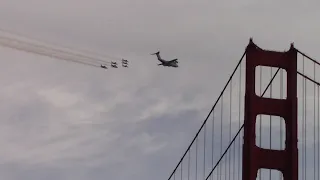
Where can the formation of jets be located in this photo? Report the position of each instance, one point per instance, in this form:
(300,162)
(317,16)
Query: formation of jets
(115,64)
(171,63)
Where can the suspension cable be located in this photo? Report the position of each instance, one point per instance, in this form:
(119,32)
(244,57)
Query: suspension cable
(303,54)
(189,157)
(208,115)
(212,139)
(304,119)
(316,160)
(260,118)
(318,133)
(303,160)
(305,130)
(239,123)
(280,118)
(314,122)
(230,127)
(204,150)
(308,78)
(221,127)
(234,138)
(270,132)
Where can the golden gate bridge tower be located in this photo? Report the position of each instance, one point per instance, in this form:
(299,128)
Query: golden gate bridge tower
(231,144)
(254,157)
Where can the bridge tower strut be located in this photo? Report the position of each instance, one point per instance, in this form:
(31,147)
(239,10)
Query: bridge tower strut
(254,157)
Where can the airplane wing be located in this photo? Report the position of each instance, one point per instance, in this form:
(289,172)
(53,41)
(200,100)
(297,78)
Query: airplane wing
(174,60)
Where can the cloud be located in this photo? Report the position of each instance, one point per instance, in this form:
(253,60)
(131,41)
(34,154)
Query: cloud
(66,121)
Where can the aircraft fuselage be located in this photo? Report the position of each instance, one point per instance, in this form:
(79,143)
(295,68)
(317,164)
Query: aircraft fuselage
(170,64)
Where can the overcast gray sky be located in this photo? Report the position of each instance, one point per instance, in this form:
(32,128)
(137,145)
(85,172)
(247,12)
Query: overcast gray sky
(66,121)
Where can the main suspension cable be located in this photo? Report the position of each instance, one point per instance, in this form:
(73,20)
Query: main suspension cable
(304,55)
(208,115)
(234,138)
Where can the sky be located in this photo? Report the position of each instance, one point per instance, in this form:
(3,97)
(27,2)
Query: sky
(67,121)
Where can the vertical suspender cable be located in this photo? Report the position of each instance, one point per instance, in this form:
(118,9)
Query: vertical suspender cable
(196,159)
(270,118)
(213,107)
(189,157)
(212,142)
(314,122)
(239,143)
(204,150)
(221,127)
(303,119)
(318,134)
(260,119)
(305,130)
(238,131)
(230,116)
(281,126)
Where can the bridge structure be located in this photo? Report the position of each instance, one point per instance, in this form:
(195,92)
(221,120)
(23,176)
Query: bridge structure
(264,124)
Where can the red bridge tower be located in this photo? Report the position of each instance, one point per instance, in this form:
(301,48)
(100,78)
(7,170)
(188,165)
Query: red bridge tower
(254,157)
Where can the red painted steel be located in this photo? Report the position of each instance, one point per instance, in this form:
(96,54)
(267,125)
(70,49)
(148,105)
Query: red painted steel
(254,157)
